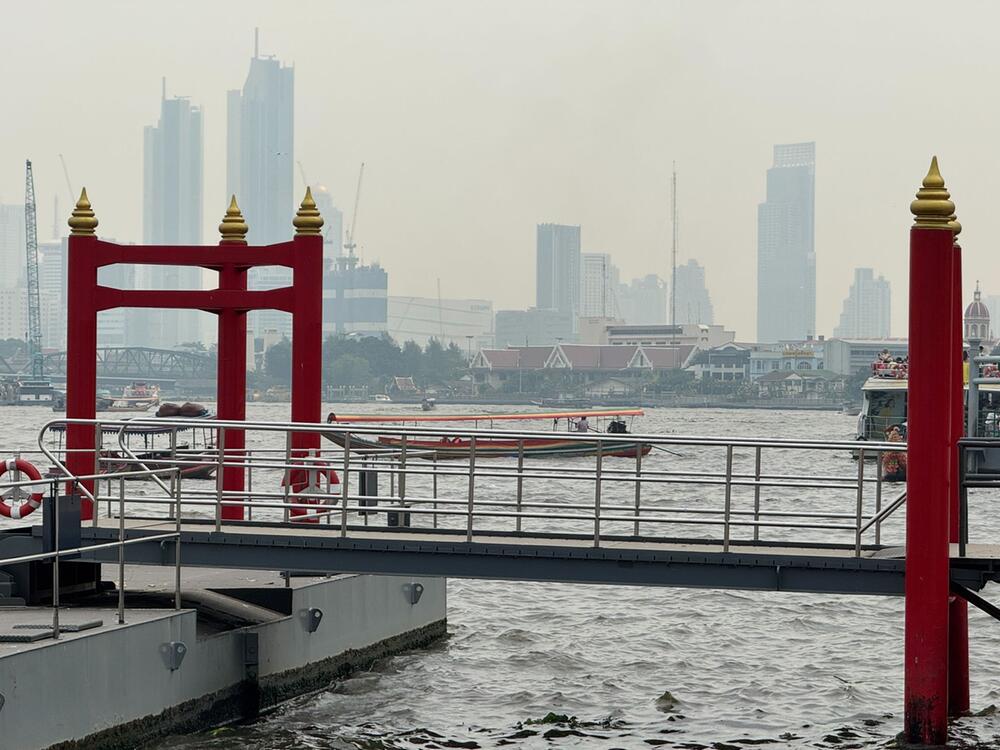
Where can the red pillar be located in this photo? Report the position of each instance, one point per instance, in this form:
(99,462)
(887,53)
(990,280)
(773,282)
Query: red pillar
(929,445)
(307,337)
(232,385)
(81,345)
(958,608)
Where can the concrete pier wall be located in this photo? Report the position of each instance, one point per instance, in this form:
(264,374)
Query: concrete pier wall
(113,687)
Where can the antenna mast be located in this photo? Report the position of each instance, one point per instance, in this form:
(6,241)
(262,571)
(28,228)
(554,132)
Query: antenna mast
(673,247)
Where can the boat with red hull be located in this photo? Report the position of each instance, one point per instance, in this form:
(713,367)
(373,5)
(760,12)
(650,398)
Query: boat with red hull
(458,446)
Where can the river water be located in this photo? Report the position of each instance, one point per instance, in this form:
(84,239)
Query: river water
(638,667)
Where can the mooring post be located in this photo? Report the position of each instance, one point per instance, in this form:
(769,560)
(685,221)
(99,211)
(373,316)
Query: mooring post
(958,608)
(81,344)
(232,364)
(929,447)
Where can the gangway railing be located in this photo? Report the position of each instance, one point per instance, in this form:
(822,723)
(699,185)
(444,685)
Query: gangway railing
(705,490)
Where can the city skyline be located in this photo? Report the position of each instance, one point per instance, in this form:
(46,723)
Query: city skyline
(497,140)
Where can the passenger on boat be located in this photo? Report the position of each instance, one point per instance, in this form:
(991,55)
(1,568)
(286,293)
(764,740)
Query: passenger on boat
(331,417)
(894,462)
(583,425)
(617,425)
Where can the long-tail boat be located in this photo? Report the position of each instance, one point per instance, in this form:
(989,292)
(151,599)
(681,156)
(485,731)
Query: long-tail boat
(452,446)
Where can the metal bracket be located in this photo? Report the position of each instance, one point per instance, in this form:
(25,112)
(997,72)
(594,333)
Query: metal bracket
(413,591)
(173,654)
(310,618)
(251,654)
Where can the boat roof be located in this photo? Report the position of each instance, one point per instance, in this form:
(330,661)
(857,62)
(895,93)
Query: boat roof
(488,417)
(900,384)
(139,429)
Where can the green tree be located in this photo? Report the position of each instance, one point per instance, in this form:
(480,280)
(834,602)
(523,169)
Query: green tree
(278,362)
(349,369)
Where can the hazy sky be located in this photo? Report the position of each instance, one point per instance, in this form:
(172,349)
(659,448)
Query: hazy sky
(478,119)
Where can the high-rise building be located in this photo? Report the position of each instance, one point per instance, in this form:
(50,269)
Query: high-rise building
(333,225)
(467,323)
(692,304)
(599,286)
(557,270)
(534,327)
(259,169)
(643,301)
(173,155)
(12,254)
(52,284)
(866,313)
(355,298)
(786,257)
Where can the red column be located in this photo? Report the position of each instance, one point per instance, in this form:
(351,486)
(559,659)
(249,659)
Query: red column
(928,466)
(81,359)
(307,337)
(958,608)
(232,385)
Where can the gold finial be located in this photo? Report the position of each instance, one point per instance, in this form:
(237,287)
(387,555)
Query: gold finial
(83,221)
(233,227)
(955,226)
(932,209)
(308,220)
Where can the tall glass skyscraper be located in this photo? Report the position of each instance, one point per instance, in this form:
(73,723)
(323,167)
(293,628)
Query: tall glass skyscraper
(557,269)
(786,255)
(259,169)
(172,198)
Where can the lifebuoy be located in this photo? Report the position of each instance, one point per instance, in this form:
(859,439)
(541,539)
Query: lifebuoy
(34,499)
(307,480)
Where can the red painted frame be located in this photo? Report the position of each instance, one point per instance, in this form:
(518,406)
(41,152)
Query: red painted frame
(231,302)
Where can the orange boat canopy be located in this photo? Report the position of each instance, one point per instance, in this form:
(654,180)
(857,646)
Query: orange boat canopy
(486,417)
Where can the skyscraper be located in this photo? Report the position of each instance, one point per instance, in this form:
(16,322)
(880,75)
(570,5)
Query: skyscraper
(259,168)
(173,155)
(786,257)
(333,225)
(557,269)
(693,303)
(643,301)
(12,252)
(866,313)
(599,287)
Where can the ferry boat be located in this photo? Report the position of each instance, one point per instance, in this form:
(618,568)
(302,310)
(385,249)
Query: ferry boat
(150,443)
(458,447)
(137,396)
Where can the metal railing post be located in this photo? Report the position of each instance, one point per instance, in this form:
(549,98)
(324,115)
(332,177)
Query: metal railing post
(344,491)
(972,412)
(861,501)
(878,498)
(287,484)
(55,564)
(729,498)
(472,487)
(220,478)
(173,458)
(121,554)
(638,487)
(597,494)
(98,447)
(756,494)
(963,503)
(402,470)
(177,544)
(434,491)
(520,480)
(248,466)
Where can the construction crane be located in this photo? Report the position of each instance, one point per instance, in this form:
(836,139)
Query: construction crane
(351,243)
(302,174)
(31,247)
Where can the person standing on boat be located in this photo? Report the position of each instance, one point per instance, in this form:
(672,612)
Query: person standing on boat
(583,425)
(894,462)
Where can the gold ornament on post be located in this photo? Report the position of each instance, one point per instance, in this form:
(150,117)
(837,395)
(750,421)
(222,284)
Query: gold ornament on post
(83,221)
(308,219)
(233,227)
(932,209)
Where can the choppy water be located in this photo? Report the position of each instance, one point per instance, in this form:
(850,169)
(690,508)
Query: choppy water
(741,668)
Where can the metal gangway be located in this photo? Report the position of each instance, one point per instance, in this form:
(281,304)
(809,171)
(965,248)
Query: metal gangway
(714,512)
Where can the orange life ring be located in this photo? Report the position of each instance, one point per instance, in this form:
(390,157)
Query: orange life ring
(34,500)
(308,480)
